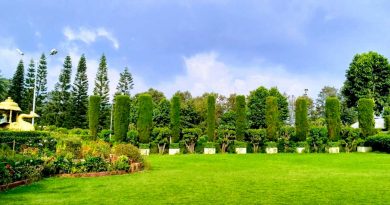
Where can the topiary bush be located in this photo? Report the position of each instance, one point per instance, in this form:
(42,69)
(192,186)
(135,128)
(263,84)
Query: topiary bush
(129,150)
(93,115)
(161,137)
(317,139)
(175,118)
(333,120)
(256,137)
(379,142)
(366,116)
(272,118)
(301,121)
(121,117)
(190,137)
(241,123)
(210,117)
(145,117)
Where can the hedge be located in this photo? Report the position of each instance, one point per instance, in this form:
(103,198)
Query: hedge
(30,138)
(333,120)
(121,117)
(211,117)
(366,116)
(379,142)
(145,117)
(301,121)
(241,117)
(175,118)
(93,115)
(272,118)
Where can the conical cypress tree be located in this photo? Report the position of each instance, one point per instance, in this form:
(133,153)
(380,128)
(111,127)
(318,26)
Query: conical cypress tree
(102,89)
(16,90)
(29,87)
(241,120)
(211,117)
(125,84)
(175,118)
(79,96)
(41,89)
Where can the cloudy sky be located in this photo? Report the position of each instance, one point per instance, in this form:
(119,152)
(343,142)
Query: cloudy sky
(200,45)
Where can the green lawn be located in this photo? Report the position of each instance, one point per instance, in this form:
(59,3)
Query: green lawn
(226,179)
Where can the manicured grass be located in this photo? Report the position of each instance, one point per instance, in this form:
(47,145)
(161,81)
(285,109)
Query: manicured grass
(226,179)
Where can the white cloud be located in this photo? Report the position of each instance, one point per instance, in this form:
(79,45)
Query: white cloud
(89,36)
(204,72)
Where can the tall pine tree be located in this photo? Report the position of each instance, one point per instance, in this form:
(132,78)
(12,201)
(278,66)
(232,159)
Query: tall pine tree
(79,96)
(58,107)
(102,90)
(16,90)
(125,84)
(41,89)
(29,87)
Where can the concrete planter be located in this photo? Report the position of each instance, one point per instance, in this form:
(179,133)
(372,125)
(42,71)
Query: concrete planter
(240,150)
(334,150)
(174,151)
(364,149)
(144,152)
(271,150)
(209,150)
(300,150)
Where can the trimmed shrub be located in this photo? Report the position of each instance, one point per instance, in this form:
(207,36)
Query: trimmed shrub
(317,139)
(256,137)
(350,138)
(240,144)
(190,137)
(161,137)
(132,137)
(38,139)
(379,142)
(128,150)
(301,121)
(211,117)
(105,135)
(240,117)
(175,118)
(333,120)
(272,118)
(145,117)
(225,138)
(93,115)
(121,117)
(366,116)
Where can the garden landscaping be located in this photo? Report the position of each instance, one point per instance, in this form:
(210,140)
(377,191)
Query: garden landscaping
(352,178)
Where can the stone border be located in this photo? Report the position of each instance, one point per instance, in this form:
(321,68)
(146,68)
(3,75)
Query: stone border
(14,184)
(92,174)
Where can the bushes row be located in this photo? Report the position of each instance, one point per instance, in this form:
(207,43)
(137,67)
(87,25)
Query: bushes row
(379,142)
(38,139)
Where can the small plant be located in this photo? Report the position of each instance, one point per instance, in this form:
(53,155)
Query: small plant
(240,144)
(302,144)
(334,144)
(132,137)
(174,146)
(128,150)
(271,144)
(209,145)
(190,137)
(225,137)
(122,163)
(144,146)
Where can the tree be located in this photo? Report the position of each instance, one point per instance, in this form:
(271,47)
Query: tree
(175,118)
(145,117)
(4,84)
(125,84)
(41,89)
(301,121)
(29,87)
(16,89)
(256,108)
(93,115)
(272,118)
(333,120)
(240,117)
(368,76)
(282,104)
(79,96)
(325,92)
(211,117)
(161,114)
(59,104)
(156,95)
(366,116)
(102,89)
(190,137)
(121,117)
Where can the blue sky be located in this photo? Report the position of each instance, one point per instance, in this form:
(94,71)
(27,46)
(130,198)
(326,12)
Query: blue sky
(200,45)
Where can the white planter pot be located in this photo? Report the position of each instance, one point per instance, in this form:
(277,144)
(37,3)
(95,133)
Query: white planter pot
(364,149)
(209,151)
(334,150)
(144,151)
(300,150)
(271,150)
(174,151)
(240,150)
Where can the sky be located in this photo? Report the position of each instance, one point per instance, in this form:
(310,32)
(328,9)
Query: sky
(224,46)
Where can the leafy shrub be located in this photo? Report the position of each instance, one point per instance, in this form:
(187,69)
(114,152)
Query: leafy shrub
(271,144)
(256,137)
(285,142)
(98,148)
(190,137)
(144,146)
(62,130)
(209,145)
(94,164)
(240,144)
(105,135)
(128,150)
(20,167)
(78,131)
(225,138)
(317,139)
(366,116)
(350,138)
(379,142)
(122,163)
(174,146)
(38,139)
(132,137)
(69,148)
(333,144)
(161,137)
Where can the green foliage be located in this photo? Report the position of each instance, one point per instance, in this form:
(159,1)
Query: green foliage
(317,139)
(350,138)
(211,117)
(225,138)
(366,116)
(29,87)
(325,92)
(79,97)
(333,121)
(102,89)
(190,137)
(256,137)
(93,114)
(145,117)
(272,118)
(69,148)
(240,117)
(16,89)
(256,108)
(240,144)
(128,150)
(301,121)
(125,84)
(98,148)
(175,118)
(122,163)
(105,135)
(209,145)
(41,85)
(368,77)
(271,144)
(132,137)
(37,139)
(94,164)
(379,142)
(144,146)
(161,114)
(174,146)
(282,103)
(386,117)
(121,117)
(161,136)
